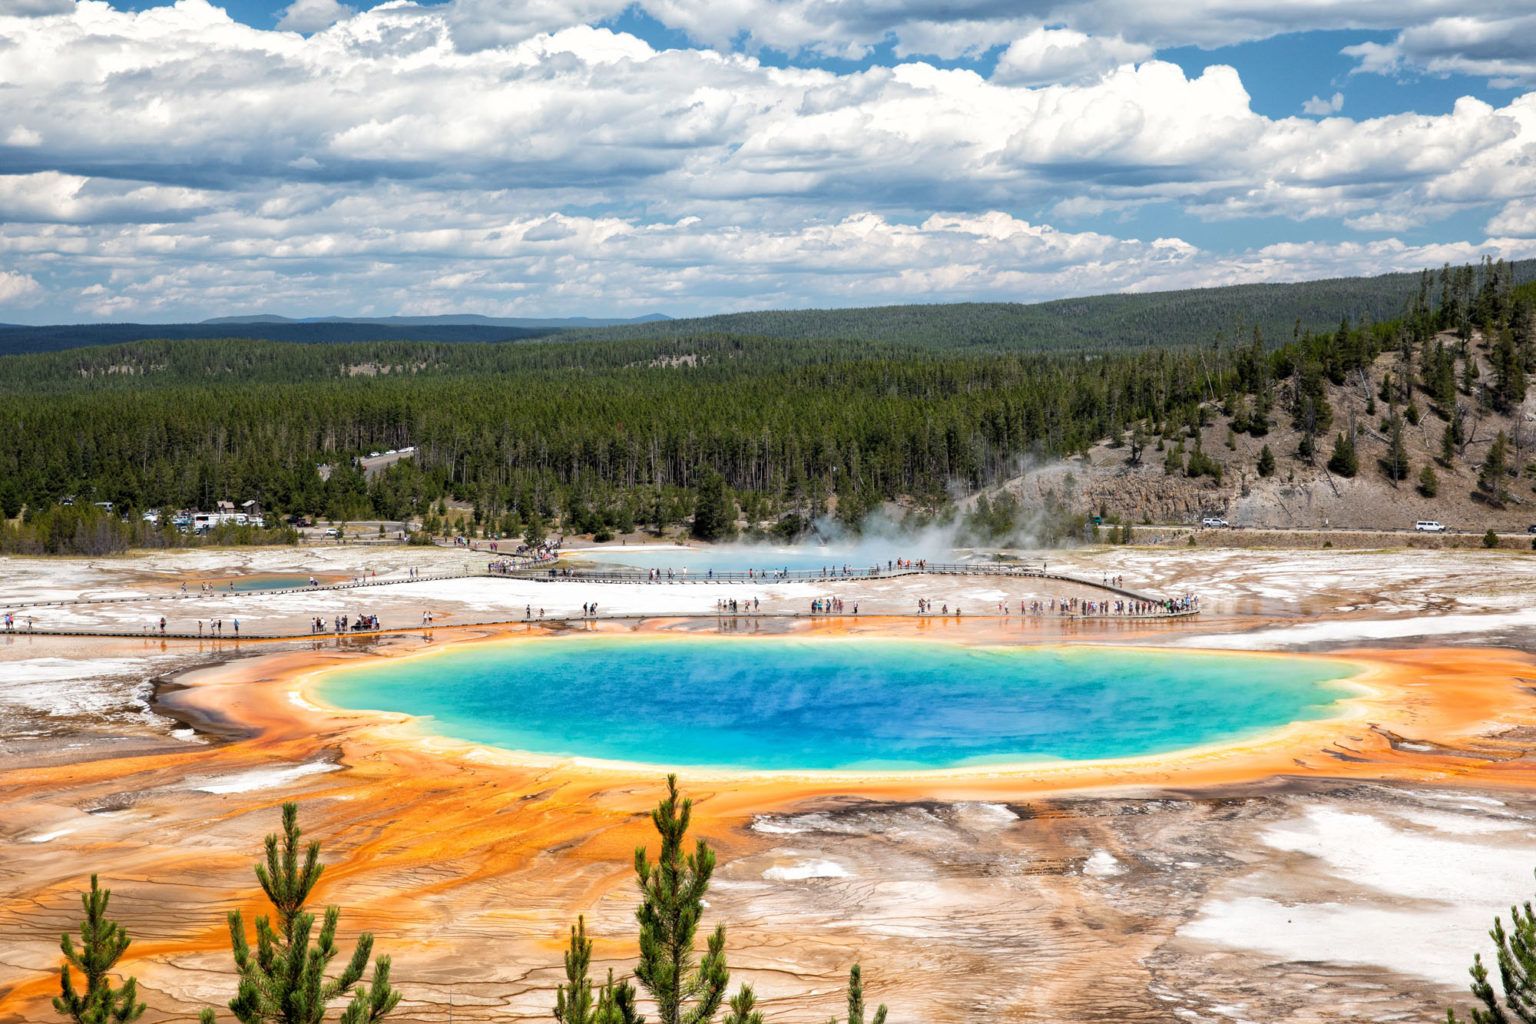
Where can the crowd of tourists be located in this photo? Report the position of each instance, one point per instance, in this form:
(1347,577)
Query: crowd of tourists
(925,607)
(351,624)
(733,606)
(832,606)
(1122,604)
(1078,607)
(1119,606)
(509,564)
(547,551)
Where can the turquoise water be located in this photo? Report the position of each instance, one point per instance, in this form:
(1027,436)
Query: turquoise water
(249,583)
(735,558)
(824,704)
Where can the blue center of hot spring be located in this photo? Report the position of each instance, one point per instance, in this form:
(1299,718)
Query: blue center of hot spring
(797,704)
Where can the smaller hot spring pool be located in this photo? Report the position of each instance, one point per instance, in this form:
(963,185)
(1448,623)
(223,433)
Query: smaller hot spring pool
(764,559)
(268,582)
(822,704)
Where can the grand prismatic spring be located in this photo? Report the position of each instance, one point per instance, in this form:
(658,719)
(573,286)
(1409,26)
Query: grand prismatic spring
(1037,500)
(791,704)
(1270,804)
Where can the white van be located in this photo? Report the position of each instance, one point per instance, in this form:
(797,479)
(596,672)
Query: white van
(1429,526)
(1214,522)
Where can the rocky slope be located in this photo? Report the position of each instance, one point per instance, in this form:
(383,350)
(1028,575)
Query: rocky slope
(1302,493)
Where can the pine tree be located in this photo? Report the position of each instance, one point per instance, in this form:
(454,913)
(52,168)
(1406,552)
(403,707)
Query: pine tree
(1397,453)
(713,516)
(1491,478)
(535,532)
(574,1004)
(1508,373)
(283,982)
(672,901)
(1450,440)
(1173,462)
(742,1008)
(1443,380)
(1266,462)
(102,943)
(856,1001)
(672,894)
(1343,460)
(1429,483)
(1307,449)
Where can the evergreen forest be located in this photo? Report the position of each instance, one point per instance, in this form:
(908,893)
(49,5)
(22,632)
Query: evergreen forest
(598,436)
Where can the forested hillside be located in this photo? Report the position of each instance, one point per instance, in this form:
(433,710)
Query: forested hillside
(1200,316)
(1429,417)
(611,435)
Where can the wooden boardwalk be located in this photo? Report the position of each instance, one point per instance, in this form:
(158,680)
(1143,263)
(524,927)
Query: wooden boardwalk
(542,572)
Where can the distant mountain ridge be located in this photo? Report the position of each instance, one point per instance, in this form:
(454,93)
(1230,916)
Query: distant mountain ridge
(16,339)
(446,320)
(1192,316)
(1227,314)
(54,338)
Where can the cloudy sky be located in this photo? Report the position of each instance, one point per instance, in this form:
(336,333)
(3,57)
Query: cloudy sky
(608,157)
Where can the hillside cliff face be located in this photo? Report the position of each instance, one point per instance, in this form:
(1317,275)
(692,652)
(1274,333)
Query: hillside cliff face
(1302,492)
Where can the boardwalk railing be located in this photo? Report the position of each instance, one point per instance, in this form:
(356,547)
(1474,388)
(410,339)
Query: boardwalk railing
(540,571)
(829,575)
(386,581)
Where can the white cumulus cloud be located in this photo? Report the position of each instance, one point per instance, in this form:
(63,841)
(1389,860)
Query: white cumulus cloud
(1517,219)
(313,15)
(1491,44)
(1319,107)
(1055,55)
(18,289)
(34,8)
(509,158)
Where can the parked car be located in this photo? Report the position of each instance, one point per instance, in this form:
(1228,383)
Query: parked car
(1429,526)
(1531,528)
(1214,522)
(333,532)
